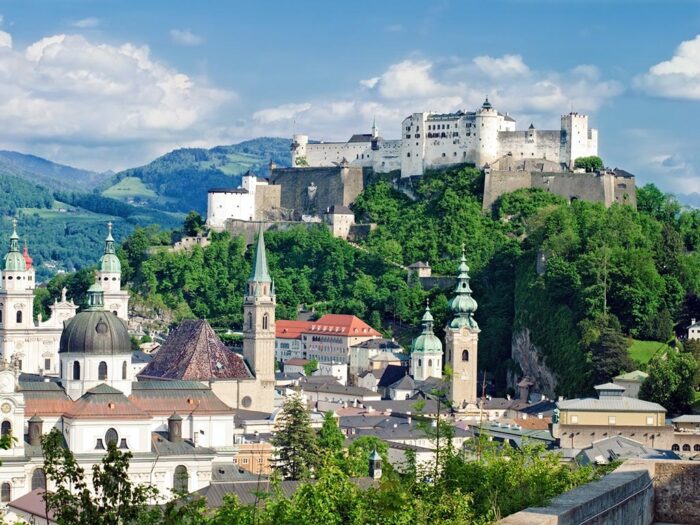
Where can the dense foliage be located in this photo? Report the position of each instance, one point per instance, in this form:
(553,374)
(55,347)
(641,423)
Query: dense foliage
(18,193)
(592,163)
(671,381)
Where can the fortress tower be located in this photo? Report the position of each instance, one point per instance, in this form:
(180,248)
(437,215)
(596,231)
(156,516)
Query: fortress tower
(259,324)
(577,139)
(486,126)
(461,342)
(299,143)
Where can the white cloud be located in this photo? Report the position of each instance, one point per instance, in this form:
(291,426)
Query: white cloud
(5,39)
(86,23)
(678,77)
(185,37)
(507,65)
(67,95)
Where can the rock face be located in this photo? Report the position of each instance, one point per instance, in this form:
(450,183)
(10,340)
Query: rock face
(528,357)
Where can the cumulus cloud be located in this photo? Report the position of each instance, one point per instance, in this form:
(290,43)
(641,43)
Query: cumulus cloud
(413,85)
(185,37)
(64,93)
(678,77)
(86,23)
(5,39)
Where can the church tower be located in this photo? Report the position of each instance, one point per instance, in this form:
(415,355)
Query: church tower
(426,354)
(461,342)
(109,276)
(259,324)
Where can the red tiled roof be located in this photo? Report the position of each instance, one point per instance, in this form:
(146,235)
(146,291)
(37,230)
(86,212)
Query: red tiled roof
(296,362)
(291,329)
(193,352)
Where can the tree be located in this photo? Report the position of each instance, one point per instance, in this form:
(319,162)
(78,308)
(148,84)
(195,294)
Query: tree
(671,381)
(311,367)
(609,355)
(294,440)
(330,437)
(592,163)
(113,499)
(194,224)
(359,452)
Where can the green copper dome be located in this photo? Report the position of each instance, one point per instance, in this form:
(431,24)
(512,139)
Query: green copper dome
(14,261)
(463,304)
(109,262)
(427,341)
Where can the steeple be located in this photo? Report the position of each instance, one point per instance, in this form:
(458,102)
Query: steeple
(463,304)
(109,262)
(260,272)
(14,260)
(375,130)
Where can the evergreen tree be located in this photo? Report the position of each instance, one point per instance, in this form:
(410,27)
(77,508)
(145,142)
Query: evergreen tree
(609,356)
(294,440)
(330,437)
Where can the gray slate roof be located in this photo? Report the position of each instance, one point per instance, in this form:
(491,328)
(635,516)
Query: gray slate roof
(617,447)
(610,404)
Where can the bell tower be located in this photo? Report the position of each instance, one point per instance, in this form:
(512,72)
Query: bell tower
(109,276)
(461,342)
(259,324)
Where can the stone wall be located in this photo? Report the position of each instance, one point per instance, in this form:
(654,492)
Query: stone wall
(640,492)
(267,200)
(310,191)
(249,229)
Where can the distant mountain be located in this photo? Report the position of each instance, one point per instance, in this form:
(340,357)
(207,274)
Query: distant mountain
(52,175)
(178,181)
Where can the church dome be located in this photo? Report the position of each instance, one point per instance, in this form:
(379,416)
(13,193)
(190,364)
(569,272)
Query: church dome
(95,331)
(109,262)
(427,343)
(13,260)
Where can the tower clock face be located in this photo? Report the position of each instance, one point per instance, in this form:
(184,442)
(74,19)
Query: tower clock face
(6,408)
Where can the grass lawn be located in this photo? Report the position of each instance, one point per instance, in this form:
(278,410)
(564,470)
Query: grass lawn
(129,187)
(642,351)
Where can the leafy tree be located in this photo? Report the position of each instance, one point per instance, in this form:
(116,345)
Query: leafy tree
(194,224)
(330,437)
(311,367)
(359,452)
(592,163)
(671,380)
(294,440)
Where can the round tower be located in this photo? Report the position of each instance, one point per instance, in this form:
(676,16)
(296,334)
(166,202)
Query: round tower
(486,122)
(299,143)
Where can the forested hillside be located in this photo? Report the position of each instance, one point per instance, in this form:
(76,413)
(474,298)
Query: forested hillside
(179,180)
(52,175)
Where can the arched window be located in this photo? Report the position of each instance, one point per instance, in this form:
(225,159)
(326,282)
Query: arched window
(124,365)
(0,316)
(181,480)
(686,448)
(5,493)
(102,371)
(675,448)
(76,370)
(111,436)
(266,321)
(19,316)
(430,363)
(38,479)
(420,362)
(465,355)
(696,448)
(250,321)
(5,428)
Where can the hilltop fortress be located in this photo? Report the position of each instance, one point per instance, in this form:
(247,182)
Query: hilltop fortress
(486,138)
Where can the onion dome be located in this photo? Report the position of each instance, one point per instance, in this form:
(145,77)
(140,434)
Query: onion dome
(94,330)
(27,259)
(463,304)
(14,262)
(427,341)
(109,262)
(486,104)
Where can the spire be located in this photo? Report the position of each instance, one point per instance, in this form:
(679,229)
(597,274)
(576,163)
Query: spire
(427,319)
(27,258)
(14,260)
(109,240)
(375,131)
(109,262)
(260,273)
(463,304)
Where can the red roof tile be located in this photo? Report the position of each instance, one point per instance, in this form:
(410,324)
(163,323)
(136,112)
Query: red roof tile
(337,324)
(291,329)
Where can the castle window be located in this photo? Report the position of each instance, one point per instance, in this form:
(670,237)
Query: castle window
(19,316)
(5,492)
(265,322)
(181,480)
(686,448)
(465,355)
(5,428)
(47,364)
(696,448)
(102,371)
(76,370)
(124,365)
(675,447)
(38,479)
(408,154)
(111,436)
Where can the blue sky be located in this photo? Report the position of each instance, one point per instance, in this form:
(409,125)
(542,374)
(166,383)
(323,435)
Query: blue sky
(111,84)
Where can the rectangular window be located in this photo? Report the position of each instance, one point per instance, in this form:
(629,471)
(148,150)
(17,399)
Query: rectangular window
(245,461)
(611,420)
(47,364)
(650,420)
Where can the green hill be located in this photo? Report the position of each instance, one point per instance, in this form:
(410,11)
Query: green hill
(179,180)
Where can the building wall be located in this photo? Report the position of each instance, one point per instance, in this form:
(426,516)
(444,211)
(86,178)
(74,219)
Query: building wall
(581,436)
(267,200)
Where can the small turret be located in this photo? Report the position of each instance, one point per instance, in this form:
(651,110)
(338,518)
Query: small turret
(375,465)
(463,304)
(175,428)
(35,430)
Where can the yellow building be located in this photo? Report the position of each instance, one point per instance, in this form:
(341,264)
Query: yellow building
(580,422)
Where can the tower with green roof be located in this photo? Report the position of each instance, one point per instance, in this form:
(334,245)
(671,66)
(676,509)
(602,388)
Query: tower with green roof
(109,276)
(461,342)
(259,328)
(17,286)
(426,352)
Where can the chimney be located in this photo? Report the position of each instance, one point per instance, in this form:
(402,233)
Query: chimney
(692,321)
(35,430)
(175,428)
